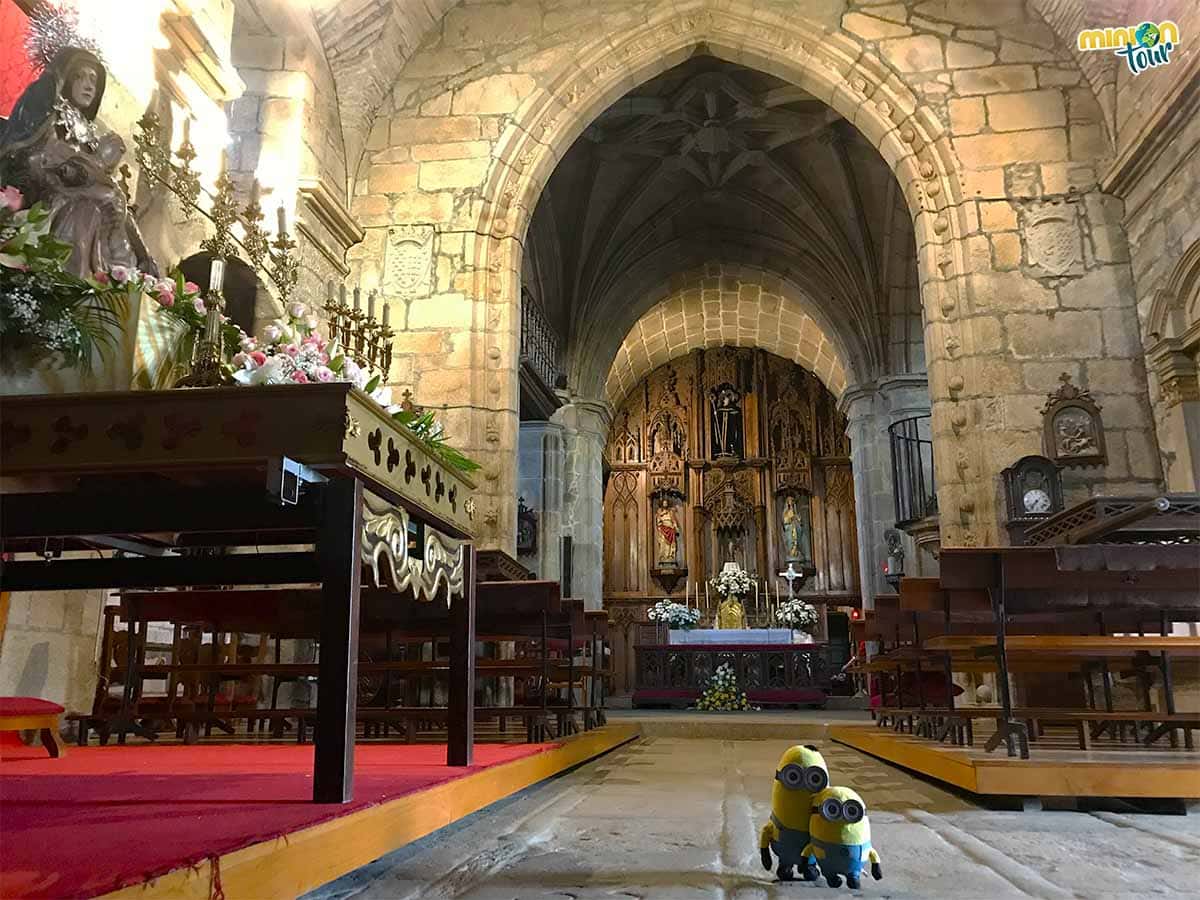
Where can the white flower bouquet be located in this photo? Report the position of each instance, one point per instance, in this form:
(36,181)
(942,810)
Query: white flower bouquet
(674,615)
(733,583)
(797,614)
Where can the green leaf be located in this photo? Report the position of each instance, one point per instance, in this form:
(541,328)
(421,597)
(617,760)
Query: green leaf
(372,385)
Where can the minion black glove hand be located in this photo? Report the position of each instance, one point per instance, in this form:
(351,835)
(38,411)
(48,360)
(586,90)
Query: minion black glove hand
(876,871)
(765,855)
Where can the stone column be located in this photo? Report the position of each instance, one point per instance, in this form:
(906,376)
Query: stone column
(585,426)
(540,465)
(871,408)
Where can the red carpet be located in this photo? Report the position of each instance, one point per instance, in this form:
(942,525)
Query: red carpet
(106,817)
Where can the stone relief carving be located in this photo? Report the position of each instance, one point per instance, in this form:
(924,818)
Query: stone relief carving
(1053,242)
(408,261)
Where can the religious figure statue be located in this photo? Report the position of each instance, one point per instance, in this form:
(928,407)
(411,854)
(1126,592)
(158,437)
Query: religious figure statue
(795,531)
(666,528)
(726,421)
(731,613)
(52,150)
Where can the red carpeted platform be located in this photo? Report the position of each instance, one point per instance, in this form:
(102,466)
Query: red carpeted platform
(106,817)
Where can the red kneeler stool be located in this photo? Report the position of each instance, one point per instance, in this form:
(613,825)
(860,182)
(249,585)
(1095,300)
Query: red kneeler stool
(32,714)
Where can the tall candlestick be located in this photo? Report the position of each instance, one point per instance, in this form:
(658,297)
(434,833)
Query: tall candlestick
(282,219)
(385,314)
(357,299)
(216,275)
(371,304)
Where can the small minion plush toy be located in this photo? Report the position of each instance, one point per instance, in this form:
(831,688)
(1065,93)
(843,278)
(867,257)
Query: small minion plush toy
(841,837)
(800,775)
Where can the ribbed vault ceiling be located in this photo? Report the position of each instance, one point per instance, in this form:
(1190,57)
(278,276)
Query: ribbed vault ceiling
(715,161)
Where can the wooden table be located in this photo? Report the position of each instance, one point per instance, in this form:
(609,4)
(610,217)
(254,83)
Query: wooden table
(255,472)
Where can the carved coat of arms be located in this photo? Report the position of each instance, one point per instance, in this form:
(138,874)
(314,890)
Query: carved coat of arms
(1053,242)
(408,264)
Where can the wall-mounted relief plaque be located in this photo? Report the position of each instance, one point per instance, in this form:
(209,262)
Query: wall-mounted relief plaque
(1073,433)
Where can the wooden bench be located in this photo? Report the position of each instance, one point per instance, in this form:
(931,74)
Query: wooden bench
(33,714)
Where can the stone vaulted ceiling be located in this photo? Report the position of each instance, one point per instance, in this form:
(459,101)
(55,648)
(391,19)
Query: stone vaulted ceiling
(715,162)
(367,43)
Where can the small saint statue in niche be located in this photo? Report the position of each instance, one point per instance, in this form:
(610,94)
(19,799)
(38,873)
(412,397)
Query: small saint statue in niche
(795,530)
(52,150)
(666,528)
(726,422)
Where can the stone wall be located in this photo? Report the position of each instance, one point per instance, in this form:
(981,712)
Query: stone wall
(993,132)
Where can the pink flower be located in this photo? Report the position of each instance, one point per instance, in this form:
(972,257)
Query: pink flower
(249,343)
(324,374)
(296,309)
(299,377)
(11,198)
(291,349)
(101,278)
(190,287)
(272,333)
(311,322)
(259,357)
(198,302)
(165,285)
(165,299)
(121,274)
(239,360)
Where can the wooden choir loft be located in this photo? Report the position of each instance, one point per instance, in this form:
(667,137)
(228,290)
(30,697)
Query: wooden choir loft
(745,457)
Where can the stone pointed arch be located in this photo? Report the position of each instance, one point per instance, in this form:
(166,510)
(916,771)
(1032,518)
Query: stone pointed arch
(833,67)
(998,311)
(772,314)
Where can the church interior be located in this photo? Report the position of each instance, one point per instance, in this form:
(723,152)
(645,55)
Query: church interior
(589,448)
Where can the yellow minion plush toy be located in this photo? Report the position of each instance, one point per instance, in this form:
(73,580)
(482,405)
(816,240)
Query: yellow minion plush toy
(840,837)
(800,775)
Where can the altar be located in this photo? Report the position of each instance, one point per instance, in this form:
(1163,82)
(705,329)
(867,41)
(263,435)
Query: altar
(738,636)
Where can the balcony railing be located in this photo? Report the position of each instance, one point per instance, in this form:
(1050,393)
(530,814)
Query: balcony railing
(912,470)
(539,343)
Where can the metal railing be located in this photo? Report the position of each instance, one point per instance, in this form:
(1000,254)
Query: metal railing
(912,470)
(539,343)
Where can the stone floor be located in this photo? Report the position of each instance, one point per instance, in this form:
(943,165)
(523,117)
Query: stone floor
(669,817)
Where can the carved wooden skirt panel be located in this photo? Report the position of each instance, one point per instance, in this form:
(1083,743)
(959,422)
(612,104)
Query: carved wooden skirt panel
(770,674)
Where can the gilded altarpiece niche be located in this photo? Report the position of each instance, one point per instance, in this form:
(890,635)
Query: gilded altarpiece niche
(728,454)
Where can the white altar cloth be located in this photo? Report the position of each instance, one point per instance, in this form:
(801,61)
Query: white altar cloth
(739,636)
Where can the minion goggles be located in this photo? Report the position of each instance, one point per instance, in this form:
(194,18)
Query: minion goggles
(799,778)
(850,811)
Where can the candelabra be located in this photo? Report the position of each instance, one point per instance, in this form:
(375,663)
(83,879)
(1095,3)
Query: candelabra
(367,341)
(276,258)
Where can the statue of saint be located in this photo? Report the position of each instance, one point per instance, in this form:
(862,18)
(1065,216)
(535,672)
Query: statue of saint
(52,150)
(667,534)
(731,614)
(795,532)
(726,421)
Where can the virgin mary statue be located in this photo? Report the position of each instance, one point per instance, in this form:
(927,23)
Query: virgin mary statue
(53,151)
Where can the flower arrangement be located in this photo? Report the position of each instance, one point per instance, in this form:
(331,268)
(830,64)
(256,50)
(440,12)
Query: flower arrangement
(674,615)
(292,350)
(796,613)
(46,310)
(723,692)
(733,583)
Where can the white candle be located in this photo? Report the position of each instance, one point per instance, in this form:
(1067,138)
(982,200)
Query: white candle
(187,130)
(385,314)
(282,219)
(216,274)
(371,305)
(357,298)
